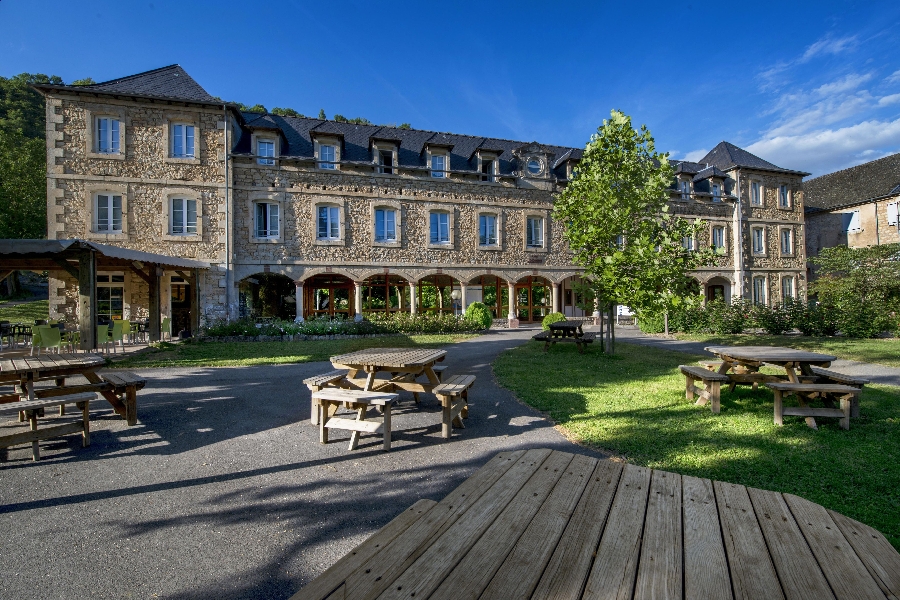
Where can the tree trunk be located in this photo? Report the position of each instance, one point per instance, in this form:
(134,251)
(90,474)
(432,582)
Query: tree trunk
(602,344)
(666,322)
(612,340)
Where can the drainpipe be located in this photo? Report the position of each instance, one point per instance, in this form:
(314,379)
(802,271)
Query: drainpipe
(228,276)
(738,225)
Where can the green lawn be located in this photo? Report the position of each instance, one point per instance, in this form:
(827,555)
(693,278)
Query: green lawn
(24,313)
(230,354)
(880,351)
(633,405)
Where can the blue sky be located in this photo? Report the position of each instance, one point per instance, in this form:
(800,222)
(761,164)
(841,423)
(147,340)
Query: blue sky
(813,86)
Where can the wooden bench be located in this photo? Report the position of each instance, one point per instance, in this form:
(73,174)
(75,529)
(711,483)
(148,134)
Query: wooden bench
(439,371)
(712,365)
(711,380)
(357,400)
(31,409)
(549,339)
(125,385)
(453,395)
(845,394)
(319,382)
(834,377)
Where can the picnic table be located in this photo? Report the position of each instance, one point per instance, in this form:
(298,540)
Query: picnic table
(548,524)
(565,331)
(404,365)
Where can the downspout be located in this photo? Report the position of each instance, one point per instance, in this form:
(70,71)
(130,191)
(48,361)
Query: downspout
(228,276)
(877,232)
(739,242)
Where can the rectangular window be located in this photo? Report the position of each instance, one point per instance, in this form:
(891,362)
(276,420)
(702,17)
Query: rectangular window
(183,141)
(759,241)
(266,220)
(718,237)
(620,242)
(107,135)
(326,156)
(755,193)
(534,235)
(717,193)
(892,216)
(851,221)
(687,243)
(184,216)
(787,241)
(487,230)
(386,160)
(440,228)
(385,228)
(439,166)
(266,151)
(329,223)
(759,290)
(110,297)
(109,213)
(787,288)
(487,170)
(685,190)
(784,199)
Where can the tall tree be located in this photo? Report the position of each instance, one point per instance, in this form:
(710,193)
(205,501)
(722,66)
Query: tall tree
(22,108)
(618,224)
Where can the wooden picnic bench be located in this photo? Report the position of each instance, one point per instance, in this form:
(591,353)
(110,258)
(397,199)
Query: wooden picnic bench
(318,382)
(830,376)
(454,397)
(545,524)
(359,401)
(711,380)
(32,410)
(580,341)
(808,391)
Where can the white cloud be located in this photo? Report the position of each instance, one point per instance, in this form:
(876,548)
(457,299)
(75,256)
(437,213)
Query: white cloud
(894,77)
(695,155)
(826,150)
(888,100)
(829,45)
(844,84)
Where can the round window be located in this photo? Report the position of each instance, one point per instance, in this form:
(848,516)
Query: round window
(534,166)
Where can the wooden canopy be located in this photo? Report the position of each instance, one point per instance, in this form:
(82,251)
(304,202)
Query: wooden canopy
(82,259)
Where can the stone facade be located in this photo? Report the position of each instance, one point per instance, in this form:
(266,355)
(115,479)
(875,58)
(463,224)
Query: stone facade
(225,178)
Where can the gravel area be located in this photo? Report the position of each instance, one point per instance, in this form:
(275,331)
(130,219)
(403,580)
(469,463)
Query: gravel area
(223,490)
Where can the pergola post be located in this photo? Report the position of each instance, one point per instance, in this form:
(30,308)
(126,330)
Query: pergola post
(357,301)
(195,302)
(298,304)
(412,298)
(154,284)
(87,299)
(512,321)
(554,298)
(463,290)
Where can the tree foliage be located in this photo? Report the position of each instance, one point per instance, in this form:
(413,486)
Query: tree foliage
(22,108)
(618,222)
(285,112)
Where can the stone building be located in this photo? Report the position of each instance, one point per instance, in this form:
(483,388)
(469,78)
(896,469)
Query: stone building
(306,217)
(854,207)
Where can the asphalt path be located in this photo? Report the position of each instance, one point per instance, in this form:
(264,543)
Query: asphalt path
(223,490)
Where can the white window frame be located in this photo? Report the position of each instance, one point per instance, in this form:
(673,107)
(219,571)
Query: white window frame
(712,237)
(488,243)
(439,172)
(893,218)
(266,159)
(784,196)
(790,280)
(327,158)
(687,243)
(332,215)
(384,169)
(685,190)
(759,294)
(188,150)
(187,229)
(781,233)
(716,192)
(492,162)
(535,226)
(385,212)
(109,201)
(449,226)
(104,280)
(112,140)
(761,250)
(269,232)
(757,194)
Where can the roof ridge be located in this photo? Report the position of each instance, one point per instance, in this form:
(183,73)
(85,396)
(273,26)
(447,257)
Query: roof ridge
(894,155)
(127,77)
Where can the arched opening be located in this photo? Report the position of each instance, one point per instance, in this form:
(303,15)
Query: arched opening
(533,301)
(328,295)
(267,296)
(434,294)
(718,288)
(385,293)
(492,291)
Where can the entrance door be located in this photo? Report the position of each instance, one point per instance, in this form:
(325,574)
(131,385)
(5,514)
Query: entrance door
(532,299)
(715,292)
(181,305)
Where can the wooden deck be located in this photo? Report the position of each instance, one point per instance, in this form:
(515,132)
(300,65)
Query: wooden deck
(548,524)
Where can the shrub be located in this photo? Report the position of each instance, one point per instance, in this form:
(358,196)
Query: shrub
(775,320)
(727,319)
(479,316)
(403,322)
(552,318)
(812,318)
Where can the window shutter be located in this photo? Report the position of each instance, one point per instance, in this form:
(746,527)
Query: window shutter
(854,221)
(892,213)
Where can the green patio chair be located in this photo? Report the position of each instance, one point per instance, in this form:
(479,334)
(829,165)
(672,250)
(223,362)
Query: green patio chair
(116,335)
(46,336)
(165,328)
(103,337)
(126,331)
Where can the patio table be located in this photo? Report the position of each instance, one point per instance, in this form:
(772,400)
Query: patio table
(404,365)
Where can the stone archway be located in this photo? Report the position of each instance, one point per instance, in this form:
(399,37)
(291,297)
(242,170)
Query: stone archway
(717,288)
(533,299)
(328,295)
(266,296)
(492,291)
(385,293)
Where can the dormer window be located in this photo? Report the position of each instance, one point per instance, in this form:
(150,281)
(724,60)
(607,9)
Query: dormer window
(716,192)
(326,156)
(487,170)
(685,190)
(265,150)
(534,166)
(438,165)
(488,165)
(386,160)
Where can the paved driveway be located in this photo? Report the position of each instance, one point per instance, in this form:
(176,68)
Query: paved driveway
(223,491)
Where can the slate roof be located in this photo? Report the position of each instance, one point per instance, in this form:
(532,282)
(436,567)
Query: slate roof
(874,179)
(171,82)
(299,133)
(727,156)
(711,171)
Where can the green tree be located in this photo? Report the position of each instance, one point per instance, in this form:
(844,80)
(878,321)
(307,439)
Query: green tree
(85,81)
(404,126)
(618,222)
(23,186)
(285,112)
(22,108)
(256,108)
(322,114)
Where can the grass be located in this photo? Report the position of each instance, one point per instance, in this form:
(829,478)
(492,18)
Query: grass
(884,351)
(233,354)
(633,405)
(26,312)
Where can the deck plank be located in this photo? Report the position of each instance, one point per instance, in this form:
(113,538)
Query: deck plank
(566,573)
(615,566)
(705,568)
(660,567)
(794,562)
(522,569)
(876,553)
(752,573)
(446,550)
(334,576)
(845,572)
(474,572)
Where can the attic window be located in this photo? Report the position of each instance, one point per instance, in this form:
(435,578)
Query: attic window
(534,166)
(386,160)
(487,168)
(716,193)
(326,156)
(265,149)
(438,165)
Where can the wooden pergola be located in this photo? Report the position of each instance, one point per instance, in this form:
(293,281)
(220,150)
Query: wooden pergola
(82,259)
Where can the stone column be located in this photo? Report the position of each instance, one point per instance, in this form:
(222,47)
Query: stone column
(554,297)
(298,305)
(463,288)
(412,298)
(357,301)
(596,314)
(511,317)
